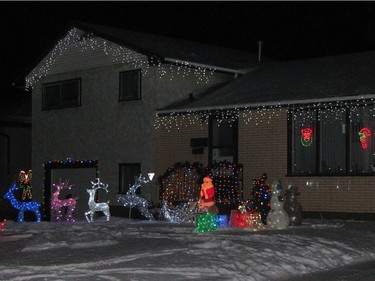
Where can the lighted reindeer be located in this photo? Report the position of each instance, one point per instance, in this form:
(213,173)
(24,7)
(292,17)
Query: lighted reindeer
(131,199)
(32,206)
(96,207)
(57,205)
(183,212)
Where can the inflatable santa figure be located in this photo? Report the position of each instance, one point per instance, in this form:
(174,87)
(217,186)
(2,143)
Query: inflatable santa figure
(206,202)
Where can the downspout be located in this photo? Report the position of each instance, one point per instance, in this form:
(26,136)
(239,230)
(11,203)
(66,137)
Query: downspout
(8,152)
(259,50)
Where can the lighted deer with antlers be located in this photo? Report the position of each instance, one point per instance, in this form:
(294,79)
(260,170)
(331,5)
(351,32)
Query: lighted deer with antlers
(57,205)
(96,207)
(131,199)
(32,206)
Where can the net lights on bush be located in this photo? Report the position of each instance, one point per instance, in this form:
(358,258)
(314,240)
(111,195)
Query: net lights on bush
(227,182)
(22,207)
(180,182)
(76,38)
(261,193)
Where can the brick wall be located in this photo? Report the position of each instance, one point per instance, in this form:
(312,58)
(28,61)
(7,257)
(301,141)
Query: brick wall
(262,149)
(173,145)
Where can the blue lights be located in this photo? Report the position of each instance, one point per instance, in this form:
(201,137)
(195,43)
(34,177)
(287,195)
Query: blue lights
(32,206)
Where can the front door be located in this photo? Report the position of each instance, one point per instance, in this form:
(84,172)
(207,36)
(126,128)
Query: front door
(223,140)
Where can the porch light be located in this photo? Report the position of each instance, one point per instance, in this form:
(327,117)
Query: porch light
(151,176)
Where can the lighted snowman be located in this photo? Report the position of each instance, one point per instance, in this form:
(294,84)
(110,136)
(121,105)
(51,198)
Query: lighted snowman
(277,217)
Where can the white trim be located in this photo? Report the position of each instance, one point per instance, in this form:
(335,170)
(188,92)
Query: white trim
(216,68)
(265,104)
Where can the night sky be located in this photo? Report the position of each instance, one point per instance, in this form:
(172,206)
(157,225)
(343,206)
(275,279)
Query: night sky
(289,30)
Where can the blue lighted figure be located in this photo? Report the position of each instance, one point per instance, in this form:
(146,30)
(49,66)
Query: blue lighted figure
(32,206)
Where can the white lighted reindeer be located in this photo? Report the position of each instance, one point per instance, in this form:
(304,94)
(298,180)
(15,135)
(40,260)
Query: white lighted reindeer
(183,212)
(57,205)
(32,206)
(131,199)
(96,207)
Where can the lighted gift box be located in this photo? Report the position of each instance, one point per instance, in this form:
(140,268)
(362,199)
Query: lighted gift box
(222,220)
(245,219)
(206,222)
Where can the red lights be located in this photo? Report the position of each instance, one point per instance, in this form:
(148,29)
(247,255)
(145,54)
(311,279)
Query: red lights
(363,134)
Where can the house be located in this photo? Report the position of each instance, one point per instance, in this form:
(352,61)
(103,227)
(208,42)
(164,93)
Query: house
(94,100)
(308,123)
(15,142)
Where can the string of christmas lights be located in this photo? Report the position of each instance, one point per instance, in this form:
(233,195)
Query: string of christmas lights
(76,38)
(261,193)
(304,114)
(181,182)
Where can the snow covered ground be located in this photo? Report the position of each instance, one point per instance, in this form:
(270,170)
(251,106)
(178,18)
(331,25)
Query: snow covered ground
(124,249)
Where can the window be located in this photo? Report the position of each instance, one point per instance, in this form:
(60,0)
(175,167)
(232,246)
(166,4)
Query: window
(130,85)
(128,172)
(304,143)
(362,140)
(62,94)
(332,142)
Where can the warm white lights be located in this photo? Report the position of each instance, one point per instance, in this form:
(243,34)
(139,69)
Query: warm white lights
(120,54)
(264,114)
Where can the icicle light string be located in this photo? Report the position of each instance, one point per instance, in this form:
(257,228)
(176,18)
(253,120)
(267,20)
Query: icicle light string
(119,54)
(301,114)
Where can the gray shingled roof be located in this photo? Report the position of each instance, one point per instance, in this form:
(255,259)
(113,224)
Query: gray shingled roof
(328,78)
(183,50)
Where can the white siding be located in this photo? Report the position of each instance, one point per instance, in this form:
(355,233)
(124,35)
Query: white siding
(90,55)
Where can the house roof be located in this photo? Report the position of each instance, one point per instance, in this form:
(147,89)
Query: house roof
(175,50)
(305,81)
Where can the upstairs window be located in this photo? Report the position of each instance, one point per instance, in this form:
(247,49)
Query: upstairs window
(130,85)
(61,94)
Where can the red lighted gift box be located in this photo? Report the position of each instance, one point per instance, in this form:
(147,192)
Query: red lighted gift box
(248,219)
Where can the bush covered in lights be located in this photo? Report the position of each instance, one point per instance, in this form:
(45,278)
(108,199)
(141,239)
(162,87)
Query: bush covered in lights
(181,182)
